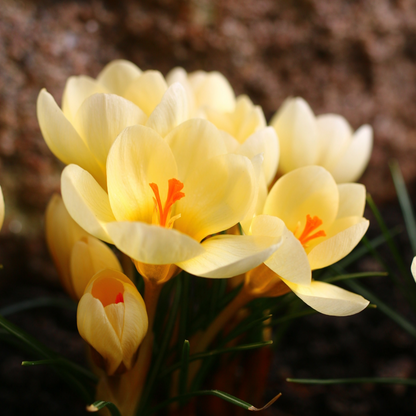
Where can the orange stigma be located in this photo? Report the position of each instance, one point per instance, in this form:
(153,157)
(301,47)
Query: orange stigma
(311,225)
(174,194)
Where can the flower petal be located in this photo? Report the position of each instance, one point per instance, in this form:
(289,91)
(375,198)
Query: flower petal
(147,91)
(152,244)
(230,255)
(263,141)
(117,75)
(178,74)
(62,138)
(295,126)
(334,135)
(171,111)
(138,157)
(217,196)
(413,268)
(352,164)
(329,299)
(77,89)
(290,260)
(86,201)
(101,118)
(351,200)
(342,237)
(310,190)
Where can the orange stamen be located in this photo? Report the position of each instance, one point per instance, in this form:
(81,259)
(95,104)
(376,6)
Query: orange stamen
(174,194)
(311,225)
(119,298)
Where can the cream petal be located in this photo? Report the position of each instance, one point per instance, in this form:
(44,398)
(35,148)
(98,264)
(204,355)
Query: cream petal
(334,135)
(295,126)
(101,118)
(230,255)
(351,200)
(222,121)
(86,201)
(263,141)
(147,91)
(252,121)
(95,328)
(152,244)
(193,143)
(115,315)
(413,268)
(290,260)
(310,190)
(340,241)
(171,111)
(117,75)
(62,138)
(231,144)
(178,74)
(77,89)
(217,196)
(1,208)
(87,258)
(214,91)
(135,325)
(138,157)
(352,164)
(329,299)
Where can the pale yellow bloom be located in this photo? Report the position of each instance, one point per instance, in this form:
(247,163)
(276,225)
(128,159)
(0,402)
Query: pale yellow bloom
(413,268)
(94,112)
(168,198)
(77,254)
(321,222)
(112,318)
(326,140)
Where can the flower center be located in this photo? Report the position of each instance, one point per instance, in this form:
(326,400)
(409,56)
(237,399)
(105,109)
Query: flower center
(119,298)
(311,225)
(108,291)
(164,211)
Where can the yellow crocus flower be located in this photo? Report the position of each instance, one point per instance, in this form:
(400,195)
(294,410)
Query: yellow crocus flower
(112,318)
(326,140)
(168,199)
(77,254)
(321,222)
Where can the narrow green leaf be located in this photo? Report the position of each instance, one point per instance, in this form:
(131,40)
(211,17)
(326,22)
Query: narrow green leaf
(183,375)
(38,303)
(354,276)
(392,314)
(244,326)
(372,380)
(98,405)
(404,200)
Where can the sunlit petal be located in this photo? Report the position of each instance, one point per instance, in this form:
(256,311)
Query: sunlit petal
(351,200)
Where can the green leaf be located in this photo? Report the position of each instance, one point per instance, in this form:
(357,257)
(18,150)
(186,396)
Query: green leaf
(373,380)
(98,405)
(183,375)
(354,276)
(38,303)
(404,200)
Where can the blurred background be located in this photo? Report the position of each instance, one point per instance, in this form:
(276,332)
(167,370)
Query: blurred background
(356,58)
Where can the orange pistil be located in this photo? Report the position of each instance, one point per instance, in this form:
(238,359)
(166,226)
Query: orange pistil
(311,225)
(119,298)
(174,194)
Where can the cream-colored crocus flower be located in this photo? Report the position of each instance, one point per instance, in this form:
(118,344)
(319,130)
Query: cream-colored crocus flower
(112,318)
(94,112)
(77,255)
(167,201)
(326,140)
(1,208)
(321,222)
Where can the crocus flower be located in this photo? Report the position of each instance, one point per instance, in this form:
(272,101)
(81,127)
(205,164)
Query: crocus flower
(321,222)
(413,268)
(77,255)
(112,318)
(326,140)
(169,198)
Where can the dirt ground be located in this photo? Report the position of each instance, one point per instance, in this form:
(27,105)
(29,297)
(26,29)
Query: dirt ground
(355,58)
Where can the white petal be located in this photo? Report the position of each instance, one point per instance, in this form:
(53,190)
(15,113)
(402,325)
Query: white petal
(171,111)
(413,268)
(86,201)
(230,255)
(152,244)
(352,164)
(329,299)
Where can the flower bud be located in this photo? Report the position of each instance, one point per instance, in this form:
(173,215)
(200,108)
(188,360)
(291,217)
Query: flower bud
(112,318)
(77,255)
